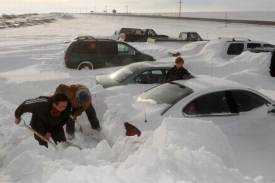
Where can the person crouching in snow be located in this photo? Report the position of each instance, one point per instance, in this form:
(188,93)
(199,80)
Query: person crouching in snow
(49,115)
(80,100)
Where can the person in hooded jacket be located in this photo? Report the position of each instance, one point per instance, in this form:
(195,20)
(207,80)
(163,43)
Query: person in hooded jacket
(80,100)
(49,115)
(177,72)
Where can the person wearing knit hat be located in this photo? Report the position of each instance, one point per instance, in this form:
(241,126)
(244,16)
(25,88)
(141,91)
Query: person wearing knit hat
(81,100)
(82,96)
(177,72)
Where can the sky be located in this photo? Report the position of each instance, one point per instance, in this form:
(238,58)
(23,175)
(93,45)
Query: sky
(178,151)
(133,6)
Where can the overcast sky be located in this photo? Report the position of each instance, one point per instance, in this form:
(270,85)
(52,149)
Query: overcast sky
(134,6)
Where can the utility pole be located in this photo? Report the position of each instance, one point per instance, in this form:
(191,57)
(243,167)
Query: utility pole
(180,7)
(126,9)
(95,9)
(106,9)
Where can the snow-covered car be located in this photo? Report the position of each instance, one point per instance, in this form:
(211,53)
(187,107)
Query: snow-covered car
(222,48)
(235,46)
(80,38)
(141,72)
(244,115)
(221,101)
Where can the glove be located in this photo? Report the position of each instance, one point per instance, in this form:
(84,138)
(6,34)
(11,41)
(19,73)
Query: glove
(17,120)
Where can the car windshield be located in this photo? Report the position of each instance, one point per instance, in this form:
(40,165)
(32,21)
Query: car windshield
(121,74)
(168,93)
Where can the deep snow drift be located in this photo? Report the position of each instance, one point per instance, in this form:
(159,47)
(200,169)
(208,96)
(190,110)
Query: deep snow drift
(180,150)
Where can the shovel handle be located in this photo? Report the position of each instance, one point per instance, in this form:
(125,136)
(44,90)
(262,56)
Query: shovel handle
(35,132)
(39,135)
(80,127)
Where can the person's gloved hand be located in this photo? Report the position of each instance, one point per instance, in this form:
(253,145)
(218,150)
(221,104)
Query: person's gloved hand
(48,135)
(17,120)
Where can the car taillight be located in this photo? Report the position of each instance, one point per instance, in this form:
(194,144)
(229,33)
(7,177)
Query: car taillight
(66,59)
(131,130)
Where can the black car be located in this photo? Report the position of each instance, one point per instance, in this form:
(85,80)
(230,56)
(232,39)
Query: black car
(101,53)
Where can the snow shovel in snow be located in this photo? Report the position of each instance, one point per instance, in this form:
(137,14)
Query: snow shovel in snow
(66,143)
(88,132)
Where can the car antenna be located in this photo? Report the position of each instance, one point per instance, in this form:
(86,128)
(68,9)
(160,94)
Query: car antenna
(145,119)
(211,66)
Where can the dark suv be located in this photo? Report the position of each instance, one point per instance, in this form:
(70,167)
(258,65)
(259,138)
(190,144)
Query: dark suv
(101,53)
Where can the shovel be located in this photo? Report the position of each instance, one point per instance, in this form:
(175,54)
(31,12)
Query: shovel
(89,132)
(66,143)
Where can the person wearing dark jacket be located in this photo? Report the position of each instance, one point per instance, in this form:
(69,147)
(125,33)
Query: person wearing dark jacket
(272,65)
(81,100)
(177,72)
(49,115)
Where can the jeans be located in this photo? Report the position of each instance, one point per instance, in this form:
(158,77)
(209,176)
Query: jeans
(91,114)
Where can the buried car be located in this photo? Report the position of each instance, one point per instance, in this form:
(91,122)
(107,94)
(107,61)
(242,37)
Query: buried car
(80,38)
(141,72)
(101,53)
(244,115)
(208,98)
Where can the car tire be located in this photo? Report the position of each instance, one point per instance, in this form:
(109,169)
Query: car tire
(85,66)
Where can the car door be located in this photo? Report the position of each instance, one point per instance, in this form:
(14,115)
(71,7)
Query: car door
(106,54)
(254,131)
(214,106)
(125,54)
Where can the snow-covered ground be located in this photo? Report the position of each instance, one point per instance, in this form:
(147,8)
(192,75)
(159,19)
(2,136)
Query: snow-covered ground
(31,64)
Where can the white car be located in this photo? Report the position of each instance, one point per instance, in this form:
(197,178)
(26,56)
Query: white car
(207,98)
(244,115)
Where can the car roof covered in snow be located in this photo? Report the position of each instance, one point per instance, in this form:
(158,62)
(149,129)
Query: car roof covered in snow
(202,83)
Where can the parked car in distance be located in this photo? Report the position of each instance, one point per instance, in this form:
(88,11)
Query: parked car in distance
(184,38)
(235,46)
(138,35)
(80,38)
(101,53)
(226,48)
(141,72)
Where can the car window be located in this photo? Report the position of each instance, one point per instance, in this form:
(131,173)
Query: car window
(126,31)
(150,77)
(268,45)
(213,104)
(151,32)
(247,101)
(183,36)
(84,48)
(124,49)
(123,73)
(107,48)
(253,45)
(194,37)
(168,93)
(235,49)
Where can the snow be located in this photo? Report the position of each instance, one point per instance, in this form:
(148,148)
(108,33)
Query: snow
(179,150)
